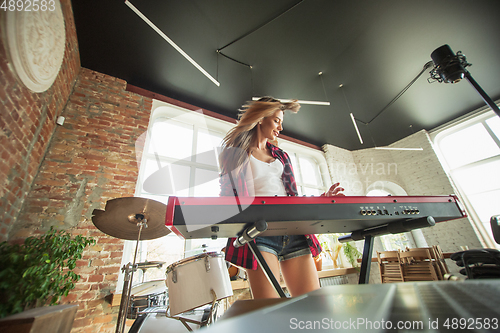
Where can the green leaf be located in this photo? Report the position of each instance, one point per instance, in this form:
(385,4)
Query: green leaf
(39,271)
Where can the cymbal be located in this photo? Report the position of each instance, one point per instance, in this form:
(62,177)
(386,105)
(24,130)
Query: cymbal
(121,216)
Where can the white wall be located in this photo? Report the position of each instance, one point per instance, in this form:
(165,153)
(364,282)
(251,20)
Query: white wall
(418,172)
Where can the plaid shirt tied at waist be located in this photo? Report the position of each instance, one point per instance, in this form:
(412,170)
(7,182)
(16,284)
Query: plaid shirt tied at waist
(237,186)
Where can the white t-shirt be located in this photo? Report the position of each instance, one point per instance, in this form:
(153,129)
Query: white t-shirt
(267,179)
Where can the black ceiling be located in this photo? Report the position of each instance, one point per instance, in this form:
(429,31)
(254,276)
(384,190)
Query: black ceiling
(373,48)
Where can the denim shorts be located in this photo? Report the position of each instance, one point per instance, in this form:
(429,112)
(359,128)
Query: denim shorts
(284,247)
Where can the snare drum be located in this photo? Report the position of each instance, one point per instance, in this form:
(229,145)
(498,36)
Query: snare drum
(146,295)
(191,280)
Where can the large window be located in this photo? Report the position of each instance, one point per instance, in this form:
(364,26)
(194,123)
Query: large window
(179,156)
(470,152)
(309,166)
(390,242)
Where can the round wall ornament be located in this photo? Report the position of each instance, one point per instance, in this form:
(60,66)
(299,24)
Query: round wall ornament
(35,43)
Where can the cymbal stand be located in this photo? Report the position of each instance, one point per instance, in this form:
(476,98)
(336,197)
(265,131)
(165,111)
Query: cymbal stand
(129,270)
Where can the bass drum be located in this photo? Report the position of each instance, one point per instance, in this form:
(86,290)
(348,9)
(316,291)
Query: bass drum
(191,280)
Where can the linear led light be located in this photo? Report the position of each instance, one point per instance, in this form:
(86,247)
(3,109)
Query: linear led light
(356,127)
(171,42)
(298,101)
(394,148)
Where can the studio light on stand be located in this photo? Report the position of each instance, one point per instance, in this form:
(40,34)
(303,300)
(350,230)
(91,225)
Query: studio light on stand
(451,68)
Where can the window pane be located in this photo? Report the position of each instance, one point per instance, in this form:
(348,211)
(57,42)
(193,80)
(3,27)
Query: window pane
(308,191)
(169,249)
(207,183)
(172,139)
(206,147)
(494,124)
(200,245)
(156,179)
(151,166)
(480,178)
(468,145)
(377,193)
(395,242)
(169,179)
(295,168)
(309,171)
(486,204)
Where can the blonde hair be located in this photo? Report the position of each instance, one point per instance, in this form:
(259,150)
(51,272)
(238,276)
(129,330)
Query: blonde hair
(242,135)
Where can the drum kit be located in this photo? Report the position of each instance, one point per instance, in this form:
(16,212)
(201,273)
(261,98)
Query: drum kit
(190,284)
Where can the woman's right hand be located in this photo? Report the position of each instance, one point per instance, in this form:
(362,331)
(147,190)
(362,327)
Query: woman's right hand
(334,190)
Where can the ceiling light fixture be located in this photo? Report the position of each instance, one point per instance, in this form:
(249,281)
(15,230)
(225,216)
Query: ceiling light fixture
(298,101)
(395,148)
(351,115)
(171,42)
(450,68)
(356,127)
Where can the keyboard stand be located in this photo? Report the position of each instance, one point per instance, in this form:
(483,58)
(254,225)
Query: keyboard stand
(369,234)
(248,237)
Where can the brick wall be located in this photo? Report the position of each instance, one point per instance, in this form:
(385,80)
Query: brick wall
(27,122)
(91,159)
(57,175)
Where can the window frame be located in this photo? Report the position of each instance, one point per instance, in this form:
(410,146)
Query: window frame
(438,134)
(318,156)
(199,121)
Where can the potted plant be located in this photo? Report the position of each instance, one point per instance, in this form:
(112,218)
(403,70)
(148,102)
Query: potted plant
(333,248)
(39,271)
(351,253)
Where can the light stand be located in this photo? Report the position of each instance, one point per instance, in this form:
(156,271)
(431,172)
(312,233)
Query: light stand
(450,68)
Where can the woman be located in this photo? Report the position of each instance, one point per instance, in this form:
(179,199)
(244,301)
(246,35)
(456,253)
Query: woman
(251,165)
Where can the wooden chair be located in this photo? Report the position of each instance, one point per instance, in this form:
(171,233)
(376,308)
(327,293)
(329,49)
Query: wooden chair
(417,265)
(435,261)
(389,264)
(442,262)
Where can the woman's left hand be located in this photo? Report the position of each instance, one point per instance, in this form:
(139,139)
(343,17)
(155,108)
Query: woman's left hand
(334,190)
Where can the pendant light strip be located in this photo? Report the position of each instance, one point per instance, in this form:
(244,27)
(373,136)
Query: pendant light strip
(298,101)
(356,127)
(171,42)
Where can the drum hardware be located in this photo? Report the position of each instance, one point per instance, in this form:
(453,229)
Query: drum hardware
(132,219)
(154,320)
(193,281)
(207,264)
(205,322)
(143,266)
(129,270)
